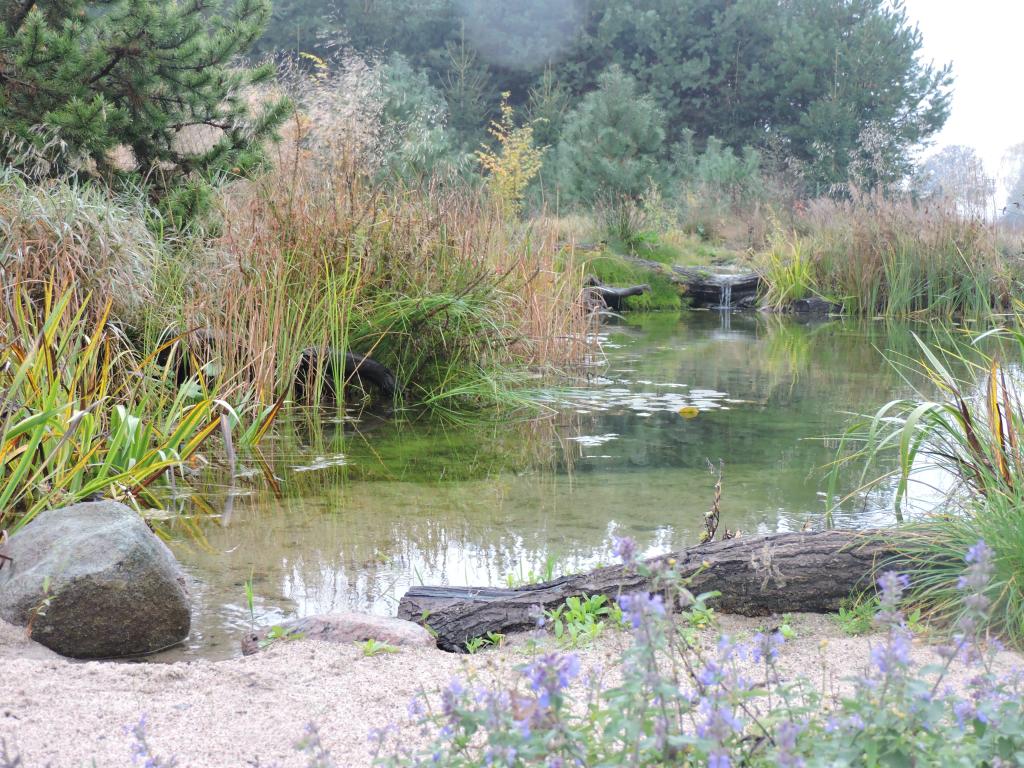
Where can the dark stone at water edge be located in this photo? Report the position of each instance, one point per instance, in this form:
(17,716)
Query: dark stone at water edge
(98,582)
(815,306)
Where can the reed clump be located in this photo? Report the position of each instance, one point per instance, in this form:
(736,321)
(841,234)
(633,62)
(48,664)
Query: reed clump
(431,278)
(956,446)
(891,256)
(326,249)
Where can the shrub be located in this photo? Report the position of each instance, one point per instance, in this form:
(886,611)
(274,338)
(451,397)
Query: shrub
(514,163)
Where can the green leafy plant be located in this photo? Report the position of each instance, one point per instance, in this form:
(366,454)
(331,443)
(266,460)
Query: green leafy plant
(79,417)
(493,639)
(376,648)
(279,634)
(580,620)
(856,616)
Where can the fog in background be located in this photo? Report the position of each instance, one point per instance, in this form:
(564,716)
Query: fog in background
(982,39)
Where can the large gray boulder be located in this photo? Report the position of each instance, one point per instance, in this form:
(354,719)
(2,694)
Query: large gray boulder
(95,582)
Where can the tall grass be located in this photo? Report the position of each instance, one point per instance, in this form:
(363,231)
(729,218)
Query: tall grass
(79,415)
(70,230)
(787,272)
(970,440)
(322,252)
(893,257)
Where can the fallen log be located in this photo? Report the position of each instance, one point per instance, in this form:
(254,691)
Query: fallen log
(756,575)
(705,288)
(358,369)
(598,296)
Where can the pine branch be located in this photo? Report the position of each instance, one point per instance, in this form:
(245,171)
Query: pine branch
(116,59)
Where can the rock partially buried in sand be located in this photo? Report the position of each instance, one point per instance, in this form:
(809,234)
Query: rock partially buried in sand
(95,583)
(341,628)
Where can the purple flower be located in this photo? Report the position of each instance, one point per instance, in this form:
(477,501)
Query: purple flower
(894,655)
(640,605)
(766,647)
(719,759)
(892,585)
(976,579)
(719,722)
(890,592)
(964,711)
(451,697)
(624,548)
(415,709)
(140,749)
(785,742)
(551,674)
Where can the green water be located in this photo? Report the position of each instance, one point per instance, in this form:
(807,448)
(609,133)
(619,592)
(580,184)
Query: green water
(365,510)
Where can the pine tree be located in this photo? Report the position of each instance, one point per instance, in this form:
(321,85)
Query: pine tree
(81,78)
(612,143)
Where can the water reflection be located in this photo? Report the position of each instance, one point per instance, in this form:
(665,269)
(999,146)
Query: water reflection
(357,517)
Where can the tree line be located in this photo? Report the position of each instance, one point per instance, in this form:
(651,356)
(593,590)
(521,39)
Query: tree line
(837,86)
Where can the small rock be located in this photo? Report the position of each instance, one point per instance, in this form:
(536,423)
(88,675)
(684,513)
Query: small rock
(341,628)
(815,306)
(97,581)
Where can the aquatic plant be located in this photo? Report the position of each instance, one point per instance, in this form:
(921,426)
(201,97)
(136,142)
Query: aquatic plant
(883,255)
(962,431)
(83,416)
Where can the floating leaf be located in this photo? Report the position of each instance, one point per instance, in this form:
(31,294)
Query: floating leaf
(689,412)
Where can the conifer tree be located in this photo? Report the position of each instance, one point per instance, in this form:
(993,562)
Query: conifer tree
(612,141)
(79,78)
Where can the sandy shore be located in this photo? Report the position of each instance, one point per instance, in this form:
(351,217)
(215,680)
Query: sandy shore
(232,713)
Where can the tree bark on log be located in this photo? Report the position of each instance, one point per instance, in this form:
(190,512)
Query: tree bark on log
(705,289)
(756,575)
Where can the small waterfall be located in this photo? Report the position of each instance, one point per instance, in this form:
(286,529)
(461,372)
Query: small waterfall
(725,302)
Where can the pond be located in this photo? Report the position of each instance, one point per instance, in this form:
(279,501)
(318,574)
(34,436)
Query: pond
(362,511)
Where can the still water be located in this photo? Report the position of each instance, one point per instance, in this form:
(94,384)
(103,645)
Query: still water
(365,510)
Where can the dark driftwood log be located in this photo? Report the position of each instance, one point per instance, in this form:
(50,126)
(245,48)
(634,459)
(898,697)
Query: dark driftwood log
(597,295)
(705,289)
(358,369)
(757,575)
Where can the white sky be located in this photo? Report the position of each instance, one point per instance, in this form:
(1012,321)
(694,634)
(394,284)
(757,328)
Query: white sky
(984,39)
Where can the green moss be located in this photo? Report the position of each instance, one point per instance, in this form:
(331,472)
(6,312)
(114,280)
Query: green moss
(614,270)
